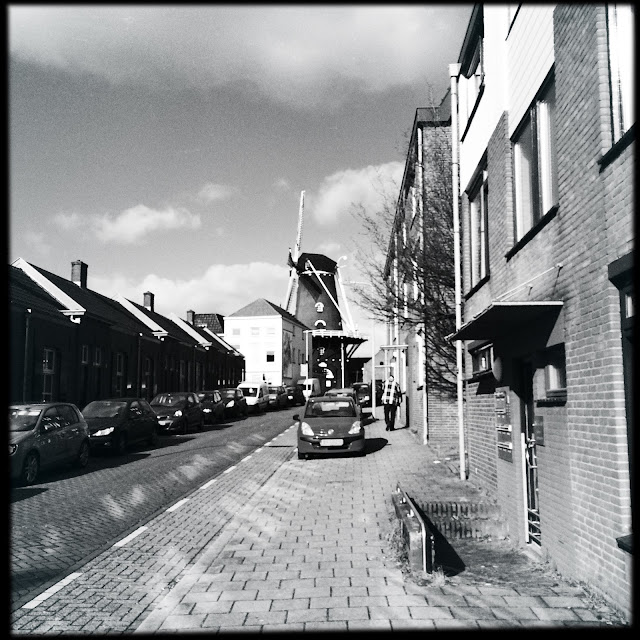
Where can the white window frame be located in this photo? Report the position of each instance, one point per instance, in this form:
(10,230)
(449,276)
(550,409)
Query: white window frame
(535,162)
(478,232)
(621,38)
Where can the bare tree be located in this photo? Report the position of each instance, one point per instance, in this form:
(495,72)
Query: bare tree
(407,257)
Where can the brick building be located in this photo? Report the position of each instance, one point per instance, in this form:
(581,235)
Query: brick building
(544,132)
(413,348)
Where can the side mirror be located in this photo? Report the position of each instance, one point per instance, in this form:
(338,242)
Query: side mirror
(296,416)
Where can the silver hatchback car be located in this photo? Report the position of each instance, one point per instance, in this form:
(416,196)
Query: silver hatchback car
(45,435)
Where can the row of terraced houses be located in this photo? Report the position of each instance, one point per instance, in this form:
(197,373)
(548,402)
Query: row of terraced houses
(541,126)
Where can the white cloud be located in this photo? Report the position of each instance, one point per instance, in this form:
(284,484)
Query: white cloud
(212,192)
(369,187)
(135,223)
(301,55)
(328,248)
(220,289)
(282,184)
(68,221)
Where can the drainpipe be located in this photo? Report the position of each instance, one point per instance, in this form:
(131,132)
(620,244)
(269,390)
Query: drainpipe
(139,369)
(454,71)
(27,319)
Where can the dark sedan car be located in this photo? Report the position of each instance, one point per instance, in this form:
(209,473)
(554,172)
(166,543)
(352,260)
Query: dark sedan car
(277,397)
(346,392)
(45,435)
(212,406)
(235,404)
(330,424)
(295,396)
(117,423)
(178,411)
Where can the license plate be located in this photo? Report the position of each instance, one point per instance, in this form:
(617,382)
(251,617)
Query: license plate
(332,442)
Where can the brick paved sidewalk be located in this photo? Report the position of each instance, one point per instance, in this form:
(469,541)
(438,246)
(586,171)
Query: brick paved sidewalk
(278,543)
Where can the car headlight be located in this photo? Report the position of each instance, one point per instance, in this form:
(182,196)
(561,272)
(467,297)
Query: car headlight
(230,404)
(206,410)
(12,449)
(178,413)
(103,432)
(306,429)
(355,428)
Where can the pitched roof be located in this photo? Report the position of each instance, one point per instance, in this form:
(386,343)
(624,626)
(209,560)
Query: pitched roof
(24,293)
(97,305)
(213,321)
(262,307)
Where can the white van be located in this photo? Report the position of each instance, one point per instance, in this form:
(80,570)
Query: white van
(257,395)
(310,387)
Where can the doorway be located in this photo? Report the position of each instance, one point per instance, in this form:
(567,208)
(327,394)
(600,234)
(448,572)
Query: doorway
(529,455)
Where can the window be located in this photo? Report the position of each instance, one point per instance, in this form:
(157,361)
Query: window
(119,374)
(48,374)
(620,33)
(255,331)
(319,307)
(535,162)
(555,376)
(235,331)
(481,360)
(271,331)
(271,356)
(84,358)
(97,357)
(478,223)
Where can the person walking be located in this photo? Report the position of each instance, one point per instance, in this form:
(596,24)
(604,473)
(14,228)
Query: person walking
(391,398)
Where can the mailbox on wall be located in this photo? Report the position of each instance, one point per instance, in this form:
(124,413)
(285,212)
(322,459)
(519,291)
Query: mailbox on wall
(504,427)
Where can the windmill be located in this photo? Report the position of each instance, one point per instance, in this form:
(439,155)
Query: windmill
(312,297)
(291,299)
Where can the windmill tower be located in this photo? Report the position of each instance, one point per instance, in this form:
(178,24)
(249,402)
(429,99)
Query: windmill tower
(312,296)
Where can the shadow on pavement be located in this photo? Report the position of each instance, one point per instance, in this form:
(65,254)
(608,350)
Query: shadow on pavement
(371,445)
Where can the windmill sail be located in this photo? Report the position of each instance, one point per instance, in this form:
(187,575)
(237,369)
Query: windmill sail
(292,289)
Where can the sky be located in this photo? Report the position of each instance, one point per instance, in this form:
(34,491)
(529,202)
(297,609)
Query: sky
(166,146)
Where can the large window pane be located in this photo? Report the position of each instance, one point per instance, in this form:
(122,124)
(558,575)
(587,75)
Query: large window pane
(621,21)
(524,179)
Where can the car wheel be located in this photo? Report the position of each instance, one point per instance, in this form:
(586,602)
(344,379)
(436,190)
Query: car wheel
(153,438)
(82,460)
(120,444)
(302,456)
(184,427)
(30,468)
(201,423)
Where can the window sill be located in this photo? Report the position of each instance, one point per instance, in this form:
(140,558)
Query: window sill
(475,287)
(479,375)
(552,401)
(541,224)
(618,147)
(626,543)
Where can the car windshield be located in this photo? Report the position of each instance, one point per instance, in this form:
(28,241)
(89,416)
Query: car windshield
(273,390)
(169,399)
(23,418)
(330,409)
(249,391)
(206,397)
(228,393)
(104,409)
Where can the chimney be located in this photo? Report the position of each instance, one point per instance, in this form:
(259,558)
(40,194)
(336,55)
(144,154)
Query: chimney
(191,317)
(79,273)
(148,300)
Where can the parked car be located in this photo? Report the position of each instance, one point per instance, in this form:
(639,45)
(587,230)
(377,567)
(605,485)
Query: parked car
(178,411)
(330,424)
(256,395)
(310,387)
(295,396)
(212,406)
(277,397)
(363,391)
(116,423)
(347,392)
(45,435)
(235,404)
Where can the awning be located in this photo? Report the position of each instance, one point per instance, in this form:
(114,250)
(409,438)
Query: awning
(500,318)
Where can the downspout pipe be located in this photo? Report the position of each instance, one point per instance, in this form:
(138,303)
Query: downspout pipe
(27,319)
(454,72)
